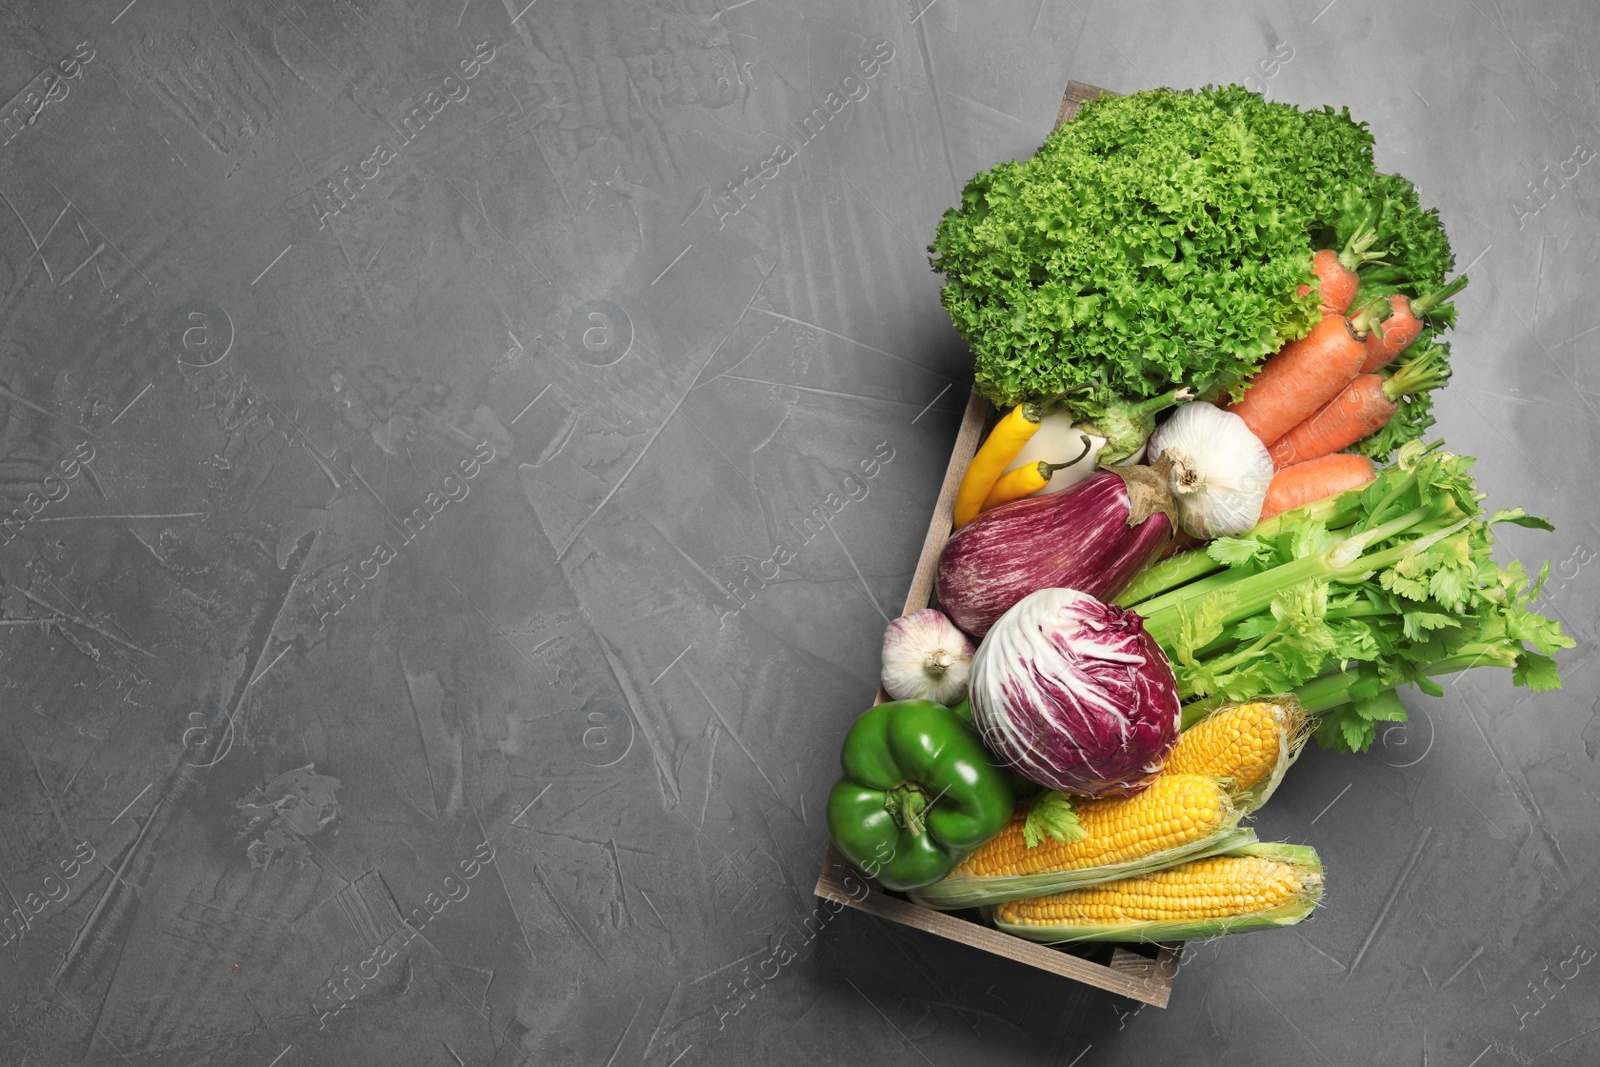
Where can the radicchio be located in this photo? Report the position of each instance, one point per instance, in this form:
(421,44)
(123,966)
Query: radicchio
(1073,694)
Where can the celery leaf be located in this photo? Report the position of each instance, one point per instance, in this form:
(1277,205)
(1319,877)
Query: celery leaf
(1051,815)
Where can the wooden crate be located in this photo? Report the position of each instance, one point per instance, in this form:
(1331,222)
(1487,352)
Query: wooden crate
(1111,967)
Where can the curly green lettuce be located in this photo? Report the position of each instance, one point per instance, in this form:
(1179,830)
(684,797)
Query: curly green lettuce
(1159,239)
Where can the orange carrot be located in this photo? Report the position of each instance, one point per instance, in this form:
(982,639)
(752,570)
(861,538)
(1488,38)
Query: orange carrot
(1314,480)
(1336,270)
(1360,410)
(1303,376)
(1391,336)
(1336,282)
(1357,411)
(1364,407)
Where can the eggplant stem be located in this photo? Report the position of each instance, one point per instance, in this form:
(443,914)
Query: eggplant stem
(1162,402)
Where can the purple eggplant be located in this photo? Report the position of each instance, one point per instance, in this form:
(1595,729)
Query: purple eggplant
(1093,538)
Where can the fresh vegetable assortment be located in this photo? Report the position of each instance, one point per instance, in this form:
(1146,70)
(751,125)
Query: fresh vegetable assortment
(1225,325)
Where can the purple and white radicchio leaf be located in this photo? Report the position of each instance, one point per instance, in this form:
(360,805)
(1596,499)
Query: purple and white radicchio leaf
(1073,694)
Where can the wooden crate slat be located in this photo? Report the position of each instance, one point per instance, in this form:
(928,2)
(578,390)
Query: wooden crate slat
(944,509)
(1130,975)
(1078,94)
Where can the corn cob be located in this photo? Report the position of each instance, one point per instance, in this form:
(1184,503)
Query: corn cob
(1250,745)
(1180,816)
(1254,887)
(1176,810)
(1212,888)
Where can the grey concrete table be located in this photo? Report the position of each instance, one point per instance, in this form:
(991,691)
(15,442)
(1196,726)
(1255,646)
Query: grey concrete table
(408,402)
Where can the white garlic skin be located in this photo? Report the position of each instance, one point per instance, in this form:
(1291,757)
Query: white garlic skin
(926,657)
(1220,471)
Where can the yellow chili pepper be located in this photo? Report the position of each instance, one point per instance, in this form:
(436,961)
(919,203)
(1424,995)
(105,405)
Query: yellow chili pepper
(1028,479)
(1005,441)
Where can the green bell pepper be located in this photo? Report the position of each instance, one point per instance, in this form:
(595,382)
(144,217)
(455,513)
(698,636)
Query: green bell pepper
(919,792)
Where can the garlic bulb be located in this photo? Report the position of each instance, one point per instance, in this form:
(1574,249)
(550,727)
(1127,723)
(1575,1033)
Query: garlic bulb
(926,658)
(1220,470)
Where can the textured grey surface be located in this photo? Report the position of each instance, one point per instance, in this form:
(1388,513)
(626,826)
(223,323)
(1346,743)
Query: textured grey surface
(570,716)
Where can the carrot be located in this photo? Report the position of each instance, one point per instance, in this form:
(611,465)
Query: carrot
(1364,407)
(1336,282)
(1029,479)
(1314,480)
(1359,410)
(1303,376)
(1005,441)
(1391,336)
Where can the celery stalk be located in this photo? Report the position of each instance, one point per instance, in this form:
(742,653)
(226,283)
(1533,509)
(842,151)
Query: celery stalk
(1404,588)
(1335,512)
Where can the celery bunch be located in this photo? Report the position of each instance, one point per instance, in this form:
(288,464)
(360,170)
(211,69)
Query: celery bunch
(1345,600)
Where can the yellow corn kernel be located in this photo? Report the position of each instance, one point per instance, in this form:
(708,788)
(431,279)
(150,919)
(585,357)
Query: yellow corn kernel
(1241,743)
(1217,887)
(1176,810)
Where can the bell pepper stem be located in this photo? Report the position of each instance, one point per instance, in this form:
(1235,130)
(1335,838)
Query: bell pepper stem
(906,802)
